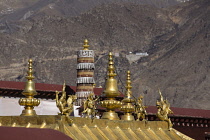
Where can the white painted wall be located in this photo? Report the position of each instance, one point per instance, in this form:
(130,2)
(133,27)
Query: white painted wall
(10,107)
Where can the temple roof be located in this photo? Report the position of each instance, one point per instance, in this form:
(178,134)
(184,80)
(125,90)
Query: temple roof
(123,130)
(83,128)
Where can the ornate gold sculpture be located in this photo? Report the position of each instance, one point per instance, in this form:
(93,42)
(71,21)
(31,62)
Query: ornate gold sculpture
(110,92)
(140,109)
(163,107)
(29,102)
(65,107)
(89,107)
(127,106)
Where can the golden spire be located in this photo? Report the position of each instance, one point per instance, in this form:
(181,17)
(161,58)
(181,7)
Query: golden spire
(29,102)
(110,92)
(129,87)
(111,89)
(85,44)
(111,68)
(128,107)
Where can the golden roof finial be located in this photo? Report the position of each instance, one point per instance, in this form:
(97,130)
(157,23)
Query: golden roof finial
(85,44)
(30,70)
(111,68)
(110,92)
(128,87)
(30,85)
(29,102)
(127,106)
(111,89)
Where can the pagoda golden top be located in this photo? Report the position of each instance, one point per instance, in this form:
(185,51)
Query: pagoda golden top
(86,44)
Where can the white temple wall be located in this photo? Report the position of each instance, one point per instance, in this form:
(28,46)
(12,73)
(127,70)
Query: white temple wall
(11,107)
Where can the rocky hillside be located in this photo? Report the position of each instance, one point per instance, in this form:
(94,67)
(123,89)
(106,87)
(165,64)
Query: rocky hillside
(179,62)
(176,39)
(16,10)
(51,38)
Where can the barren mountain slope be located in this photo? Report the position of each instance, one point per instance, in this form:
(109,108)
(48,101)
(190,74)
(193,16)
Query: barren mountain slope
(52,41)
(13,10)
(180,60)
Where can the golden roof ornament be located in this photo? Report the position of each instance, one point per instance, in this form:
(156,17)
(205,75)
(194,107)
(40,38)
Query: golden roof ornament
(65,106)
(29,102)
(111,89)
(163,107)
(110,92)
(140,109)
(90,106)
(128,86)
(128,107)
(85,44)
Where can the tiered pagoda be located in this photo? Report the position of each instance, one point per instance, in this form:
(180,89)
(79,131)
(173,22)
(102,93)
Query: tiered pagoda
(85,73)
